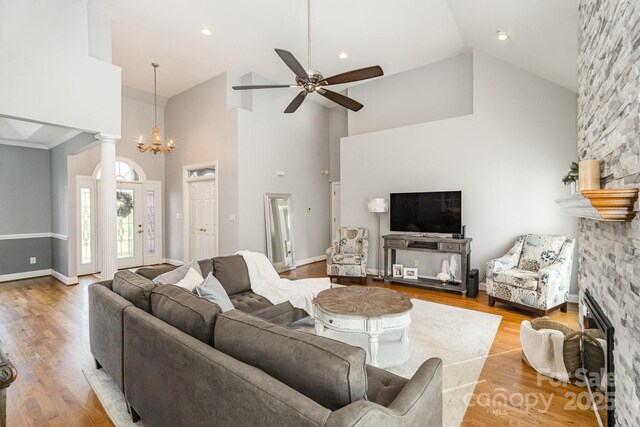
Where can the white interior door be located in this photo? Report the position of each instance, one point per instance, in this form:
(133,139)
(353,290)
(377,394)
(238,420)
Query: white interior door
(129,226)
(335,208)
(203,227)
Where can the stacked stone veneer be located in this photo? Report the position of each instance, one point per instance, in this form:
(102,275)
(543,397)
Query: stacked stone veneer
(609,129)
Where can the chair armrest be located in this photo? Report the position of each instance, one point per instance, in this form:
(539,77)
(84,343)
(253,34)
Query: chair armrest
(555,279)
(418,404)
(506,262)
(365,254)
(330,253)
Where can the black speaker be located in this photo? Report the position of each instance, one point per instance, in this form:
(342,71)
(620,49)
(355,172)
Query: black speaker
(473,283)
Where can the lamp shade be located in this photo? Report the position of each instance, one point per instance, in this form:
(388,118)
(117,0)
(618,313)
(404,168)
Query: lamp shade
(378,205)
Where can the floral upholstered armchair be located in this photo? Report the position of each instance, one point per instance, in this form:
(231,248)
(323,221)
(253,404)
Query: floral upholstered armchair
(534,275)
(347,256)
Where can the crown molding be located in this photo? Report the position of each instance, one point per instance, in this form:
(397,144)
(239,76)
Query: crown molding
(23,144)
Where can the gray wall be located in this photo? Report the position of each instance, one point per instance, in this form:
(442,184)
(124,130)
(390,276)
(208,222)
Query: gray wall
(609,130)
(297,144)
(432,92)
(24,190)
(507,157)
(204,129)
(15,254)
(26,208)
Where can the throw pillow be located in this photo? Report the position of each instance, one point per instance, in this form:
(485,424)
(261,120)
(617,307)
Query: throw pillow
(190,280)
(174,276)
(212,290)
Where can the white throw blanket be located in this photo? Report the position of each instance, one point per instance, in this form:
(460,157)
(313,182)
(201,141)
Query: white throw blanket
(266,282)
(544,351)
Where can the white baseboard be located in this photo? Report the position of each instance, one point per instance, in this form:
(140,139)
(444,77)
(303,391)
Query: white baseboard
(64,279)
(310,260)
(24,275)
(172,261)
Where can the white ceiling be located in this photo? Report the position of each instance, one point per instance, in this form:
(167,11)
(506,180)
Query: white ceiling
(34,135)
(396,34)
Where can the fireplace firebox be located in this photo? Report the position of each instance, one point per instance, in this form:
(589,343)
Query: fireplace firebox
(597,359)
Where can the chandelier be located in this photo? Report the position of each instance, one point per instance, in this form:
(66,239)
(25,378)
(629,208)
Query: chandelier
(156,143)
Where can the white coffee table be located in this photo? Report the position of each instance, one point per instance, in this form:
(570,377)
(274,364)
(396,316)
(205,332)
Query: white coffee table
(369,310)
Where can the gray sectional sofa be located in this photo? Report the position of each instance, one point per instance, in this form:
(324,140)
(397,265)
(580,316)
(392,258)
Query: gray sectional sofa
(181,362)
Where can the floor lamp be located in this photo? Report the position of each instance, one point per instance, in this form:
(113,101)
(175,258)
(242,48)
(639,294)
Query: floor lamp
(378,206)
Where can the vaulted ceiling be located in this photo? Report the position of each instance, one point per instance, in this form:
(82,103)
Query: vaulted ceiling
(396,34)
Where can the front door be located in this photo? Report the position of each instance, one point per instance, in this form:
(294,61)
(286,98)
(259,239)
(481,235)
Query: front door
(129,226)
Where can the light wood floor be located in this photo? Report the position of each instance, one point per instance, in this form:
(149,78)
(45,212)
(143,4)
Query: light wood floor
(44,327)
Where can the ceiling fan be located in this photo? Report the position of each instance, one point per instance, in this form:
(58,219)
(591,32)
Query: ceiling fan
(311,81)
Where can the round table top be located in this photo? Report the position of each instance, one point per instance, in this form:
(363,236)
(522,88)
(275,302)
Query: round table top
(363,301)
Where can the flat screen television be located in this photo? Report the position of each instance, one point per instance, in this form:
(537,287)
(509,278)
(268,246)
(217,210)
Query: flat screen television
(433,212)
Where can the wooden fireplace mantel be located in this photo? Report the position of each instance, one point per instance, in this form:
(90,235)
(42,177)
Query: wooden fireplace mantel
(604,205)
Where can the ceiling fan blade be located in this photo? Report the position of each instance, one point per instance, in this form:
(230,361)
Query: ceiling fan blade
(297,101)
(293,63)
(260,87)
(339,99)
(353,76)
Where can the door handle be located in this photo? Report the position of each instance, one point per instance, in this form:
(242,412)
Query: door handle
(140,231)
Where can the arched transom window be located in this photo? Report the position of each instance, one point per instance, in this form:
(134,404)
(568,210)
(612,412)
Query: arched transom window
(124,172)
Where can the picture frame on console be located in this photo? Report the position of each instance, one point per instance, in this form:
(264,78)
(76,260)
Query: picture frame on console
(397,270)
(410,273)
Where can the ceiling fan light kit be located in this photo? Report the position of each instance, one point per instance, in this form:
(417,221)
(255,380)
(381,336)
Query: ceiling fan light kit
(310,81)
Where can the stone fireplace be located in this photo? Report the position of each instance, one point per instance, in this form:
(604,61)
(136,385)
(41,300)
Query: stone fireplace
(609,130)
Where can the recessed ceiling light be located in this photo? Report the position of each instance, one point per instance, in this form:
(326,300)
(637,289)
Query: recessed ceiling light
(343,55)
(502,36)
(206,31)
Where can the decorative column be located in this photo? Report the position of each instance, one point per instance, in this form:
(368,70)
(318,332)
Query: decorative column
(108,251)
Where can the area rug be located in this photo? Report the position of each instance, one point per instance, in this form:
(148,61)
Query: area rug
(461,338)
(111,398)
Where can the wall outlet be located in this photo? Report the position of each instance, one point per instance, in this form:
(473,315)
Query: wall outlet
(32,260)
(178,216)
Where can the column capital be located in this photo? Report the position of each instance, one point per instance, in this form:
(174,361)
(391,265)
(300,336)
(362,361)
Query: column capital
(107,137)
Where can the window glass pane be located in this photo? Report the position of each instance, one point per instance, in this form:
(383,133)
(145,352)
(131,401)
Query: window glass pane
(125,225)
(85,225)
(151,223)
(124,172)
(201,172)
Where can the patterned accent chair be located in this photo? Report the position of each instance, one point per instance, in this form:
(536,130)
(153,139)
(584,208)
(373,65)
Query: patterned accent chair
(534,275)
(347,256)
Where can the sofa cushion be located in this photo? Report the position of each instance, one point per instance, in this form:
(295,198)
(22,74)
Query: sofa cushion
(232,273)
(206,267)
(153,272)
(384,386)
(539,251)
(172,277)
(347,259)
(329,372)
(190,280)
(249,302)
(519,278)
(213,291)
(185,311)
(134,288)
